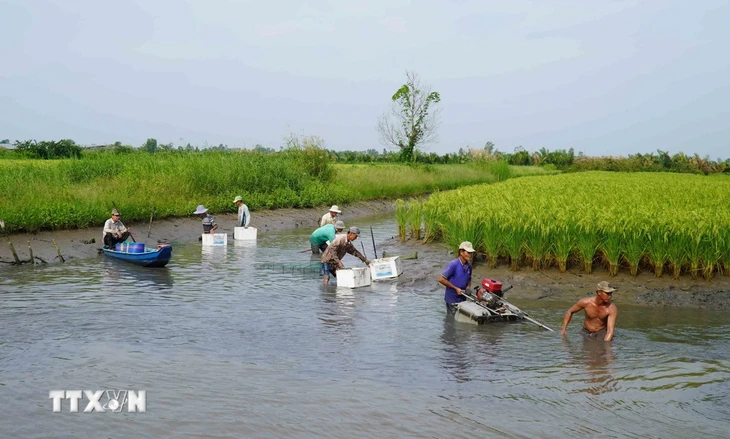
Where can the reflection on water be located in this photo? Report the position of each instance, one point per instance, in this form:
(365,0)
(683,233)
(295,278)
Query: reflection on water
(597,356)
(155,278)
(228,342)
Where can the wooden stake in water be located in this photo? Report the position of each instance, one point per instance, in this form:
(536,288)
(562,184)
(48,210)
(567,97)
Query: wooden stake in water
(373,236)
(58,250)
(12,249)
(10,243)
(30,250)
(150,226)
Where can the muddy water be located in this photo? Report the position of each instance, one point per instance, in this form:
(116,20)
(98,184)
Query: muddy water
(241,342)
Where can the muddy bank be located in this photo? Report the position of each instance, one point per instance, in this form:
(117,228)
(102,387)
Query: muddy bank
(566,288)
(421,273)
(85,243)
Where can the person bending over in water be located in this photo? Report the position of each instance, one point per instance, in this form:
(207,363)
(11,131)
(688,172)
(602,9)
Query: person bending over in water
(600,314)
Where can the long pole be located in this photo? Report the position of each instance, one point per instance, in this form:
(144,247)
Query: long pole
(373,236)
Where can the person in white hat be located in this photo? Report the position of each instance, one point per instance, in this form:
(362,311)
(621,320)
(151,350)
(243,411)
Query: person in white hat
(332,257)
(244,218)
(114,231)
(600,314)
(209,224)
(323,236)
(456,277)
(330,217)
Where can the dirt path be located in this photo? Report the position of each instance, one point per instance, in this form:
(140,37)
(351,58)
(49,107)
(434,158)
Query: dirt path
(422,273)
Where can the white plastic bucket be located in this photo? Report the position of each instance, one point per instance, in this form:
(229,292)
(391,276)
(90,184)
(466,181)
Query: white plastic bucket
(353,277)
(215,239)
(385,268)
(245,233)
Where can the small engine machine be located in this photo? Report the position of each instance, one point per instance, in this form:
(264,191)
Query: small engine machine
(491,285)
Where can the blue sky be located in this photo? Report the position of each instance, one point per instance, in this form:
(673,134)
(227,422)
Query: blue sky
(604,77)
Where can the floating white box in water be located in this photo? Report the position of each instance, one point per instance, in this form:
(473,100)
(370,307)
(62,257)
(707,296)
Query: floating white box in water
(385,268)
(353,277)
(215,239)
(245,233)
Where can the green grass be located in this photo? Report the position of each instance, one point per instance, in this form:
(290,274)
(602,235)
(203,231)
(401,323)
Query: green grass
(60,194)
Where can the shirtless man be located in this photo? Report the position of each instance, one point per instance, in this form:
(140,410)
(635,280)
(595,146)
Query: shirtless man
(600,313)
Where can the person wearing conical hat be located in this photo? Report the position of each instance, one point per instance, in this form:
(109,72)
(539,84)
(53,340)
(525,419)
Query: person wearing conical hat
(244,217)
(330,217)
(600,314)
(209,224)
(114,231)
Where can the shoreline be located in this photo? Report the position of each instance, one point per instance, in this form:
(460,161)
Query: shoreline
(76,244)
(422,273)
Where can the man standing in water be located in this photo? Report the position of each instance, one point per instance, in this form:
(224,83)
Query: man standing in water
(600,314)
(244,217)
(330,217)
(456,277)
(332,256)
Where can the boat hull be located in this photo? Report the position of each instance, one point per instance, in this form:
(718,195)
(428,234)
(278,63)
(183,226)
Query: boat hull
(152,258)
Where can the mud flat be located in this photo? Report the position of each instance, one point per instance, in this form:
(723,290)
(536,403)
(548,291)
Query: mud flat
(552,285)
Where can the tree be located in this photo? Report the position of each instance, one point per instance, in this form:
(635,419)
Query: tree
(411,122)
(150,145)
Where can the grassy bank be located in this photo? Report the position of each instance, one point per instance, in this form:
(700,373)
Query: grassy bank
(649,221)
(40,194)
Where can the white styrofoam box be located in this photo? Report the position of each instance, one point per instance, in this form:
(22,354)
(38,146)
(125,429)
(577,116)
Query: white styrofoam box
(353,277)
(245,233)
(385,268)
(215,239)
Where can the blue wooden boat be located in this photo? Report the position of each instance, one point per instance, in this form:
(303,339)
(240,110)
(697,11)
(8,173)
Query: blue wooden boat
(150,257)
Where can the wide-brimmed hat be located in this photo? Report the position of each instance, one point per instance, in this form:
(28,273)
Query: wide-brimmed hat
(354,230)
(339,225)
(115,211)
(605,287)
(237,199)
(466,245)
(199,210)
(334,208)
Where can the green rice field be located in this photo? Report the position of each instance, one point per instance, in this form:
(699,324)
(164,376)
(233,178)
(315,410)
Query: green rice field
(621,221)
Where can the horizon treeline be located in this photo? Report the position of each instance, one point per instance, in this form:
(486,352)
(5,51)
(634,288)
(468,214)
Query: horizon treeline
(560,159)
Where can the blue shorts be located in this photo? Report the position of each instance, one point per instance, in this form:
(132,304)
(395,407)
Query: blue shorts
(327,269)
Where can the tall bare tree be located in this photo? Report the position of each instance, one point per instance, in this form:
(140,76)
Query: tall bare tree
(412,121)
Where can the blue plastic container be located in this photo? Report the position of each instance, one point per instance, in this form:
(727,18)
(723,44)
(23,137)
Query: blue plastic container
(130,247)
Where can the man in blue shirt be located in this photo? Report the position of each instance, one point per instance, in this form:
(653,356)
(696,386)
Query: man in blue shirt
(457,276)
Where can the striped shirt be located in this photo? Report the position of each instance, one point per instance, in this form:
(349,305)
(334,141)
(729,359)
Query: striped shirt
(208,223)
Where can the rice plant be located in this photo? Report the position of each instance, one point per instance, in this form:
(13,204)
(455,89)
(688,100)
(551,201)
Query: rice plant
(401,217)
(414,212)
(678,221)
